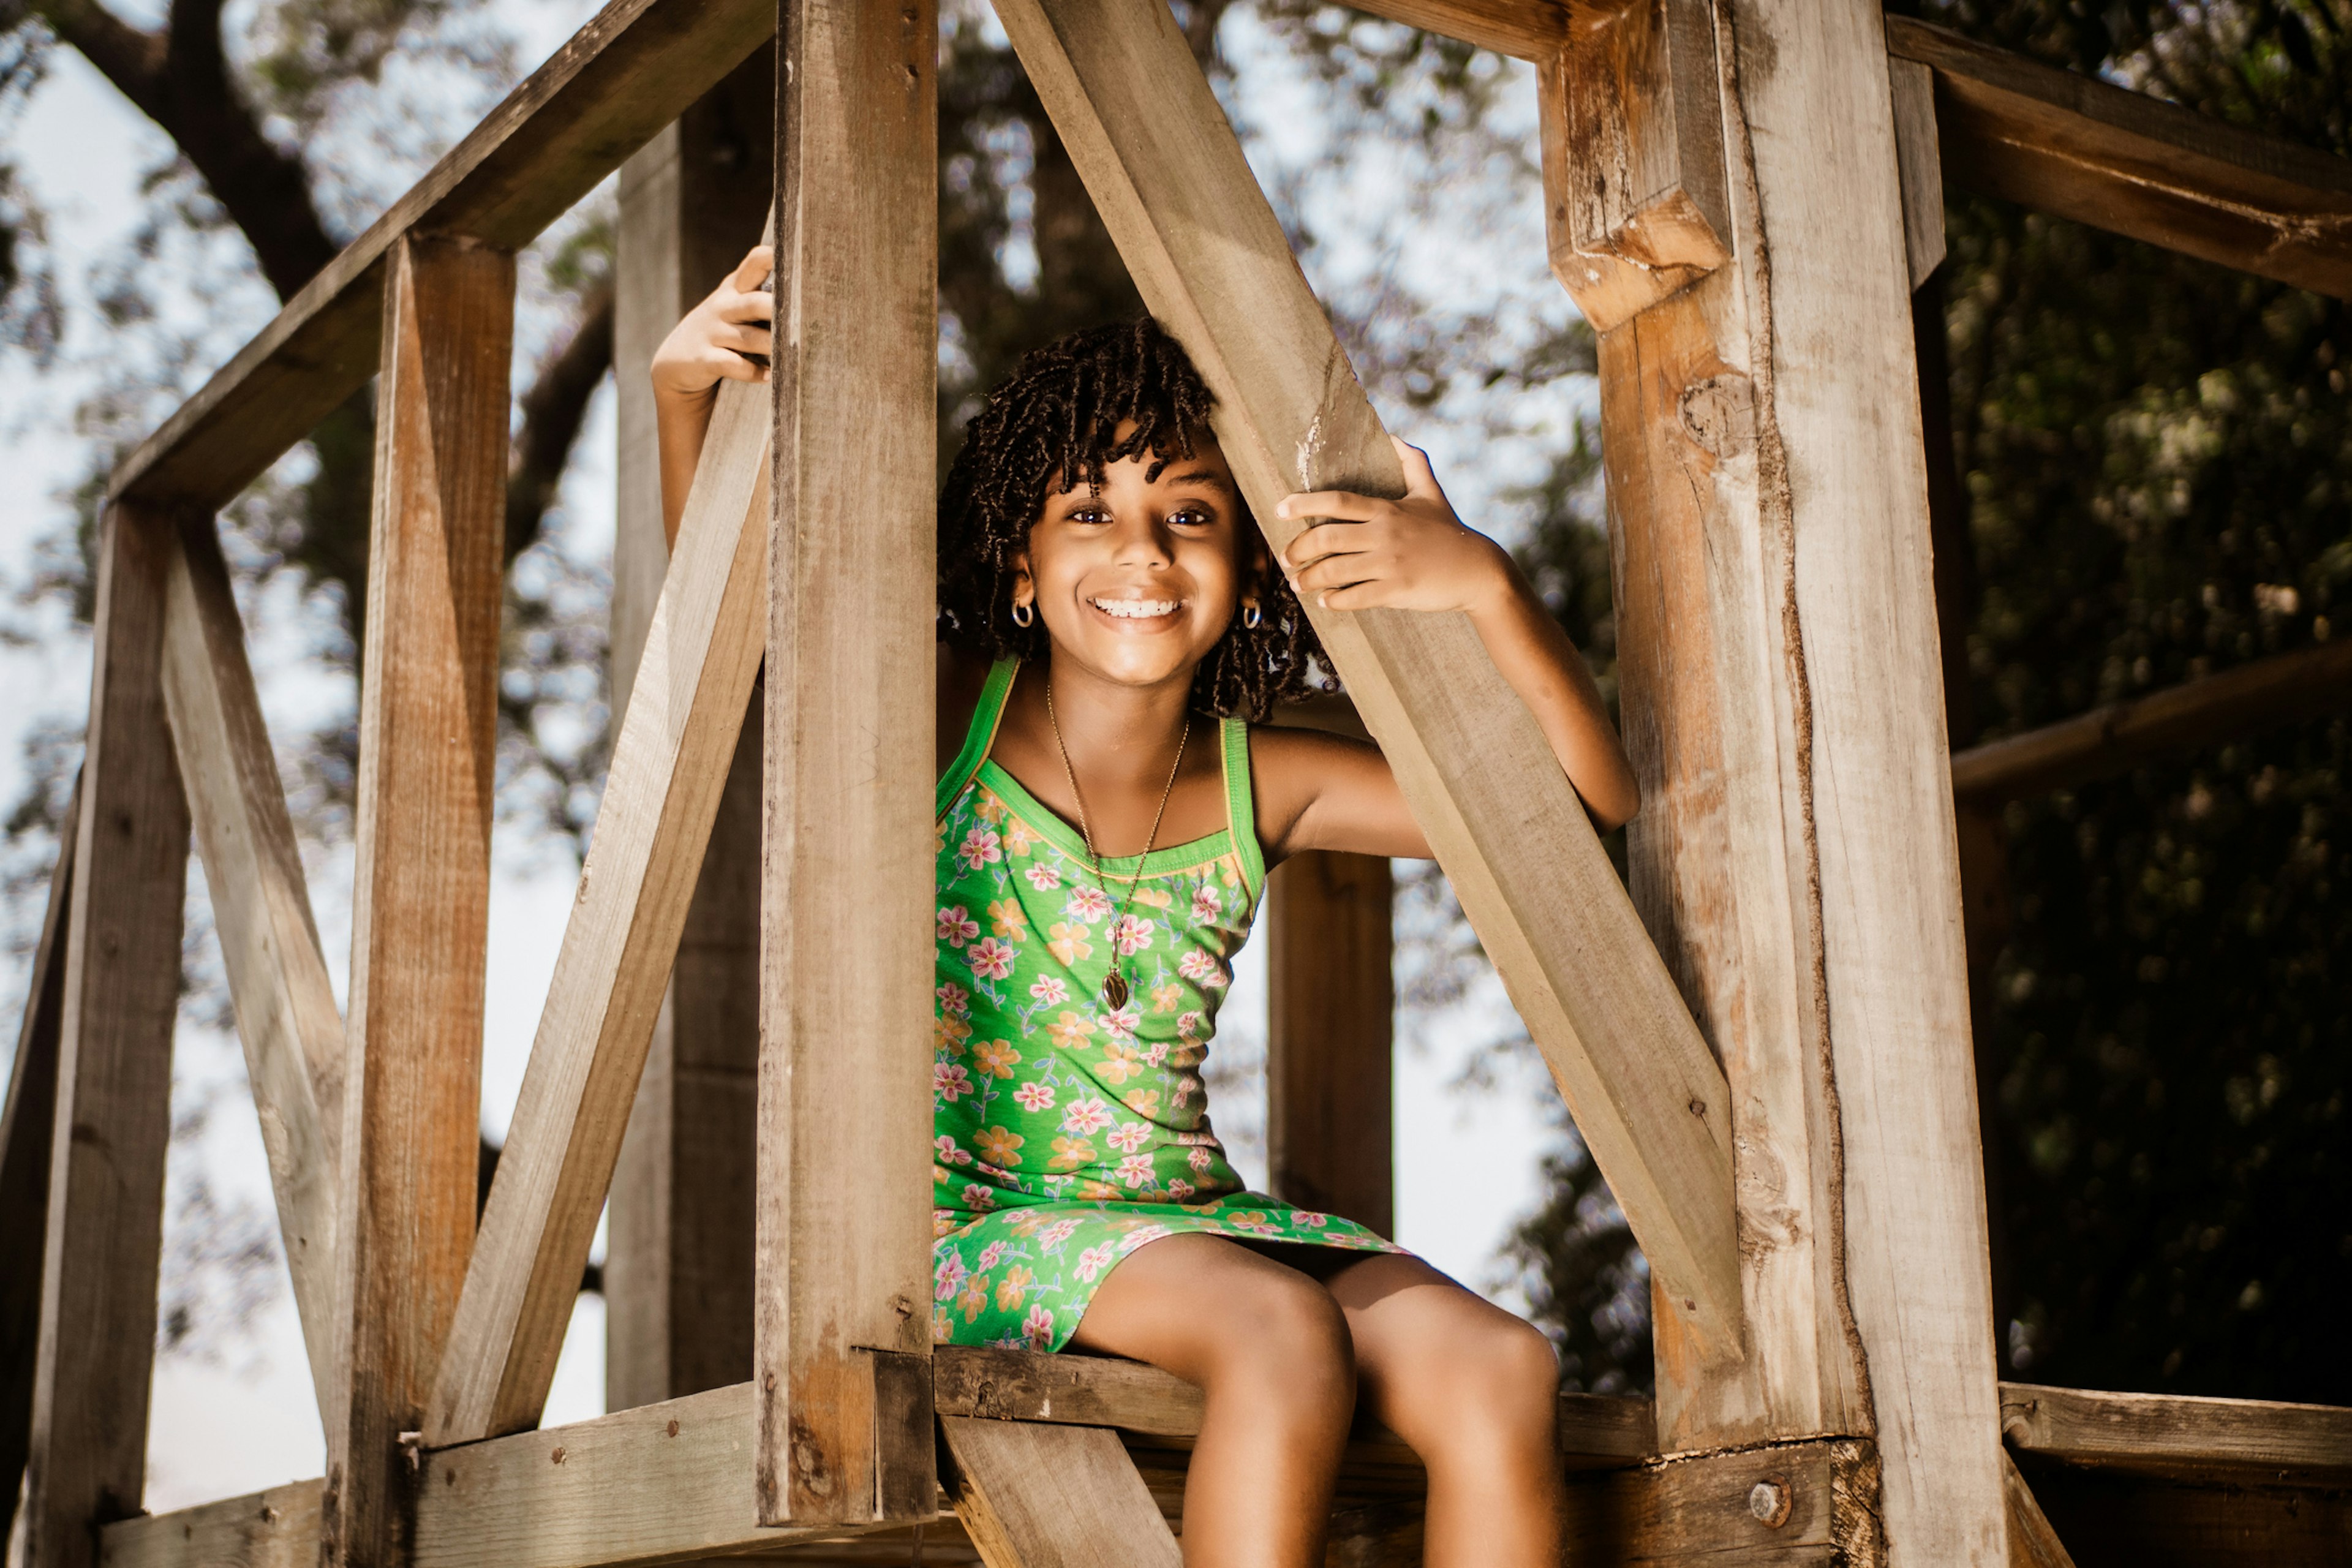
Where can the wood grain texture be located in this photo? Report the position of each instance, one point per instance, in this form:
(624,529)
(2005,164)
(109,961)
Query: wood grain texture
(2285,689)
(2032,1544)
(2115,1519)
(27,1123)
(1330,1036)
(274,1529)
(1640,209)
(285,1013)
(1198,236)
(420,898)
(1918,157)
(844,1251)
(1529,29)
(2123,161)
(1035,1496)
(652,826)
(103,1230)
(618,80)
(1787,1504)
(1843,504)
(678,1239)
(2179,1435)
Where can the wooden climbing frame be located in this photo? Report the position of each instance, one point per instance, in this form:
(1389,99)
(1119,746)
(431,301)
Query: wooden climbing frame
(1766,1045)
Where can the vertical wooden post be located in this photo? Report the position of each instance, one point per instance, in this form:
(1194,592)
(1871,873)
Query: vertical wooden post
(1330,1027)
(428,731)
(843,1336)
(104,1228)
(27,1123)
(1783,702)
(677,1260)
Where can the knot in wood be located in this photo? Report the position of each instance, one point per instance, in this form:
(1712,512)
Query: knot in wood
(1771,1502)
(1719,414)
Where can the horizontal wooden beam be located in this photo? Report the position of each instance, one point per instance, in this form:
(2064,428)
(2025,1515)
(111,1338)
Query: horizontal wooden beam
(2121,160)
(2160,1434)
(669,767)
(1527,29)
(2232,705)
(1168,175)
(604,94)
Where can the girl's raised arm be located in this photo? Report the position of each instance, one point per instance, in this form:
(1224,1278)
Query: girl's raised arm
(1414,554)
(714,341)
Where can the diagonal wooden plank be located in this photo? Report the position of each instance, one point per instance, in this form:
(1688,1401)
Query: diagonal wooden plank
(285,1013)
(1037,1496)
(420,895)
(610,88)
(2134,165)
(669,767)
(26,1124)
(103,1236)
(1210,257)
(842,1288)
(2032,1542)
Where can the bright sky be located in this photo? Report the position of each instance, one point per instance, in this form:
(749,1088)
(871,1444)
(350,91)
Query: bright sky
(243,1416)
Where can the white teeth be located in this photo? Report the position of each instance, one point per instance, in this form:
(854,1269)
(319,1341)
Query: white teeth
(1136,609)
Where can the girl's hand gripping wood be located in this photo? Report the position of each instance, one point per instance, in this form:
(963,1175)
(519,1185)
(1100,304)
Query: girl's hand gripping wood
(725,338)
(1414,554)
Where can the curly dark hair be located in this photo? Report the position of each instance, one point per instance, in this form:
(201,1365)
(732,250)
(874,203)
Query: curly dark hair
(1057,413)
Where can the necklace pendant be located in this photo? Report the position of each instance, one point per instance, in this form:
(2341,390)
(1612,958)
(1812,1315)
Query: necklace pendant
(1113,990)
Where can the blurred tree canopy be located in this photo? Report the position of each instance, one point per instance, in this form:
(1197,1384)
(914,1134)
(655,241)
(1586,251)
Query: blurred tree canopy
(2157,454)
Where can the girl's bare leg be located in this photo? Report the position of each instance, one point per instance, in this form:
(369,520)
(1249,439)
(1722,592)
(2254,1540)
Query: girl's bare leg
(1476,1392)
(1269,1348)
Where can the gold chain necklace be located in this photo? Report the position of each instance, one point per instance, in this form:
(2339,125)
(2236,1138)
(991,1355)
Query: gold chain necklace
(1114,985)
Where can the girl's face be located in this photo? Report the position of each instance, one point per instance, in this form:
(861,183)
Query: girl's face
(1137,582)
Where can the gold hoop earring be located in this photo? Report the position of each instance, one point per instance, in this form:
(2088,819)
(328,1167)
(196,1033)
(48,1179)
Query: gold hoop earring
(1023,615)
(1252,616)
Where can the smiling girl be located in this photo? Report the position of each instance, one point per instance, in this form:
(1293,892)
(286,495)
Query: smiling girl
(1110,625)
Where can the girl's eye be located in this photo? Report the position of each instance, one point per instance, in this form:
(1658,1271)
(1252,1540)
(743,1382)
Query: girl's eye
(1191,517)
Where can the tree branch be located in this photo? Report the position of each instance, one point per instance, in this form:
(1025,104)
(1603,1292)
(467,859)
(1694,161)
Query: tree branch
(125,56)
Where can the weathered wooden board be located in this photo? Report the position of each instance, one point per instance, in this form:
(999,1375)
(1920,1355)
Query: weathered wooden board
(1036,1496)
(678,1237)
(2283,689)
(2123,162)
(274,1529)
(2113,1519)
(1204,247)
(2032,1544)
(1530,29)
(668,769)
(618,80)
(27,1122)
(1330,1036)
(420,886)
(1788,1504)
(1641,210)
(2179,1435)
(1918,156)
(103,1230)
(278,981)
(844,1266)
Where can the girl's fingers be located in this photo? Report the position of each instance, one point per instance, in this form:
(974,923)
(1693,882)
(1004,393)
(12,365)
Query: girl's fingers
(735,367)
(1335,572)
(753,269)
(1420,479)
(744,340)
(1327,539)
(754,306)
(1355,597)
(1330,505)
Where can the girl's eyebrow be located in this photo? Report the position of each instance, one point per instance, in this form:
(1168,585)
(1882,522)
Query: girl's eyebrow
(1200,476)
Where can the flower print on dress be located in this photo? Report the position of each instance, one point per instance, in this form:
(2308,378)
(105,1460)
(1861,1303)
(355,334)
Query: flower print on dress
(1019,838)
(1120,1063)
(974,1299)
(1045,876)
(947,1274)
(1142,1101)
(948,1035)
(1093,1261)
(1070,1031)
(1087,904)
(1007,919)
(956,927)
(994,1058)
(990,959)
(1086,1117)
(1135,1170)
(1206,906)
(1013,1288)
(980,848)
(1068,942)
(1130,934)
(1051,1238)
(1000,1147)
(954,1000)
(948,1151)
(1034,1097)
(991,807)
(1071,1153)
(950,1081)
(1129,1137)
(991,1255)
(1120,1023)
(1049,990)
(1165,996)
(978,1198)
(1039,1327)
(1141,1234)
(1201,969)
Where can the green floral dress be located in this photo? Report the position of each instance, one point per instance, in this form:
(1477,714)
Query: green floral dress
(1069,1134)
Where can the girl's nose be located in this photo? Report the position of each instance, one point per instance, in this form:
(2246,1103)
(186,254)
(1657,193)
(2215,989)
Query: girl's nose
(1144,543)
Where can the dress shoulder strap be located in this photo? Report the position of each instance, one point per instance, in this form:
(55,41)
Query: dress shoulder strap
(978,737)
(1241,804)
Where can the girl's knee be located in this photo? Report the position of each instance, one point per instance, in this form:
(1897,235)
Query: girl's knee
(1500,1385)
(1289,1343)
